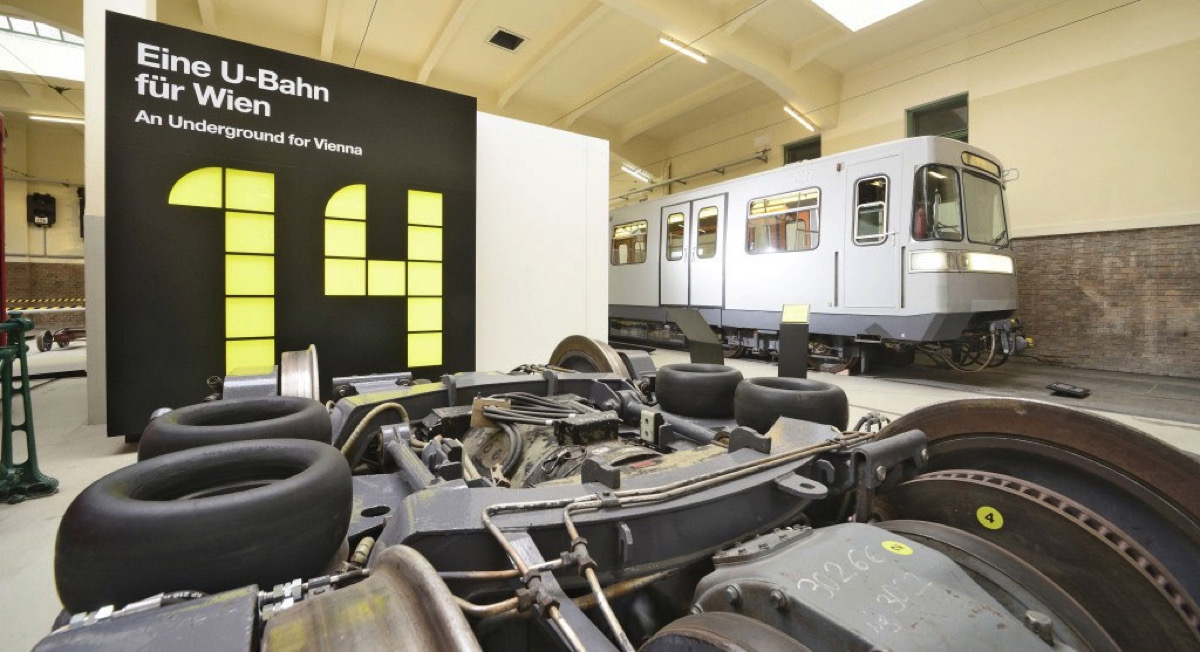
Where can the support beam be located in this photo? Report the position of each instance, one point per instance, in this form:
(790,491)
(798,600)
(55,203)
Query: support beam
(614,85)
(805,52)
(573,29)
(208,14)
(755,57)
(743,12)
(730,83)
(333,11)
(445,36)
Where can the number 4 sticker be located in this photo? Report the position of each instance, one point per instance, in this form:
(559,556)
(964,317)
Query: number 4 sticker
(989,518)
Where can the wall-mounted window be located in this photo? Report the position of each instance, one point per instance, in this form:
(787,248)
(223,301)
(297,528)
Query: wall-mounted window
(870,210)
(706,232)
(786,222)
(946,117)
(676,228)
(802,150)
(629,243)
(937,211)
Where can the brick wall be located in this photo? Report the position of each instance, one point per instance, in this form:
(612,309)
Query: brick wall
(46,281)
(1116,300)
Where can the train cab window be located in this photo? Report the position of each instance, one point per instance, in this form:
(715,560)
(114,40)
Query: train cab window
(676,226)
(870,211)
(706,232)
(629,243)
(937,209)
(787,222)
(984,200)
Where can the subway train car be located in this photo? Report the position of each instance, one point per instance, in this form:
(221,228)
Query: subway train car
(895,248)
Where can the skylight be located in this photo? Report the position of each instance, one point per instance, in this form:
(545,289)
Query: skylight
(32,48)
(857,14)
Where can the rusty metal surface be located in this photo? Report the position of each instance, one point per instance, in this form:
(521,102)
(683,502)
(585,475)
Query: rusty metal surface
(1114,578)
(404,605)
(582,353)
(1146,487)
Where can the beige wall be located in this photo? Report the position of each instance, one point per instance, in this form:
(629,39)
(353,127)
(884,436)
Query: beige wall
(55,153)
(1099,114)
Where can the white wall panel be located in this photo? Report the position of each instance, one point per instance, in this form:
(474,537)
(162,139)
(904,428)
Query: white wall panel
(541,252)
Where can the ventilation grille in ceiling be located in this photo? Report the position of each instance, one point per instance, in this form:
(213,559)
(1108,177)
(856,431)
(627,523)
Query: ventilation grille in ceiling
(503,38)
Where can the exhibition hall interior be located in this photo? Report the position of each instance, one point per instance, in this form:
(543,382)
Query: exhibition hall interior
(515,325)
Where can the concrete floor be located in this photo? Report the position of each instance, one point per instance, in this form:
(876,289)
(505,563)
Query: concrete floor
(77,454)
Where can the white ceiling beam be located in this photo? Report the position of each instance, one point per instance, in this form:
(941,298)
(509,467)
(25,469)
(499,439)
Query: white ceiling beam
(730,83)
(571,30)
(807,51)
(445,36)
(333,11)
(208,14)
(687,21)
(743,12)
(614,85)
(32,90)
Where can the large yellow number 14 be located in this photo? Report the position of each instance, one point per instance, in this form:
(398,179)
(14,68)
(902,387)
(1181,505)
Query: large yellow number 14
(248,199)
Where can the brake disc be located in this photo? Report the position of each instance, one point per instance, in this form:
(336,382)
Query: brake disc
(1144,486)
(1120,584)
(585,354)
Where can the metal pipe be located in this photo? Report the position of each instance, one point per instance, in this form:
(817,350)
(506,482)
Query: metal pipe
(508,573)
(606,609)
(565,627)
(485,610)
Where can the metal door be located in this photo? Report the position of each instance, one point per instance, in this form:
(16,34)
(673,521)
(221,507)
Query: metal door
(707,252)
(871,264)
(675,253)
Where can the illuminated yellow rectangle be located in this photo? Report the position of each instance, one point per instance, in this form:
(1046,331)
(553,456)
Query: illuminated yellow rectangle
(424,349)
(424,208)
(249,233)
(425,314)
(198,188)
(348,203)
(249,191)
(385,278)
(249,317)
(425,279)
(344,238)
(424,243)
(248,354)
(249,275)
(795,313)
(345,277)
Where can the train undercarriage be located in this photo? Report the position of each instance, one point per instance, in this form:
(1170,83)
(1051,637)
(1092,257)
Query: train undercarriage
(975,350)
(616,506)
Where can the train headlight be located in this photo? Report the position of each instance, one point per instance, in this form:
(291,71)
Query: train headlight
(932,261)
(974,261)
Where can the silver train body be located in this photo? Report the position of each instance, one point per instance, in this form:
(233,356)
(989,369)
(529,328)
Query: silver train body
(899,244)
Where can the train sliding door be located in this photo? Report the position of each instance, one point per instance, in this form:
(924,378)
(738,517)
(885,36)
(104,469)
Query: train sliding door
(871,264)
(693,253)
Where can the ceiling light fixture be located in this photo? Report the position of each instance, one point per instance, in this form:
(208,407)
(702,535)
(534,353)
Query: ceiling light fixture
(682,49)
(796,114)
(54,118)
(640,175)
(856,14)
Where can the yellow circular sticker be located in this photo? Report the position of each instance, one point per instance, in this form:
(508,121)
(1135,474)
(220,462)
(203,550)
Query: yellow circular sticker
(897,548)
(989,518)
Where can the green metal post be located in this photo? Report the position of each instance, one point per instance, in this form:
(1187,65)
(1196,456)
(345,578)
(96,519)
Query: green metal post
(18,481)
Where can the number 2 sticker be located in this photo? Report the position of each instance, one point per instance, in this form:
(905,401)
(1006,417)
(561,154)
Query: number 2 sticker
(989,518)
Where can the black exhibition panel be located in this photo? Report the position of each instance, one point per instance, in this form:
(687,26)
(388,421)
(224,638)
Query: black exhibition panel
(179,102)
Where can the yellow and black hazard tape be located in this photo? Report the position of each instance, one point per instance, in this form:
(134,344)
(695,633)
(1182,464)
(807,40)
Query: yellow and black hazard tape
(57,303)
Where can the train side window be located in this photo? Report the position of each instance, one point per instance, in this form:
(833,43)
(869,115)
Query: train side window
(870,211)
(786,222)
(937,207)
(706,232)
(674,240)
(629,243)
